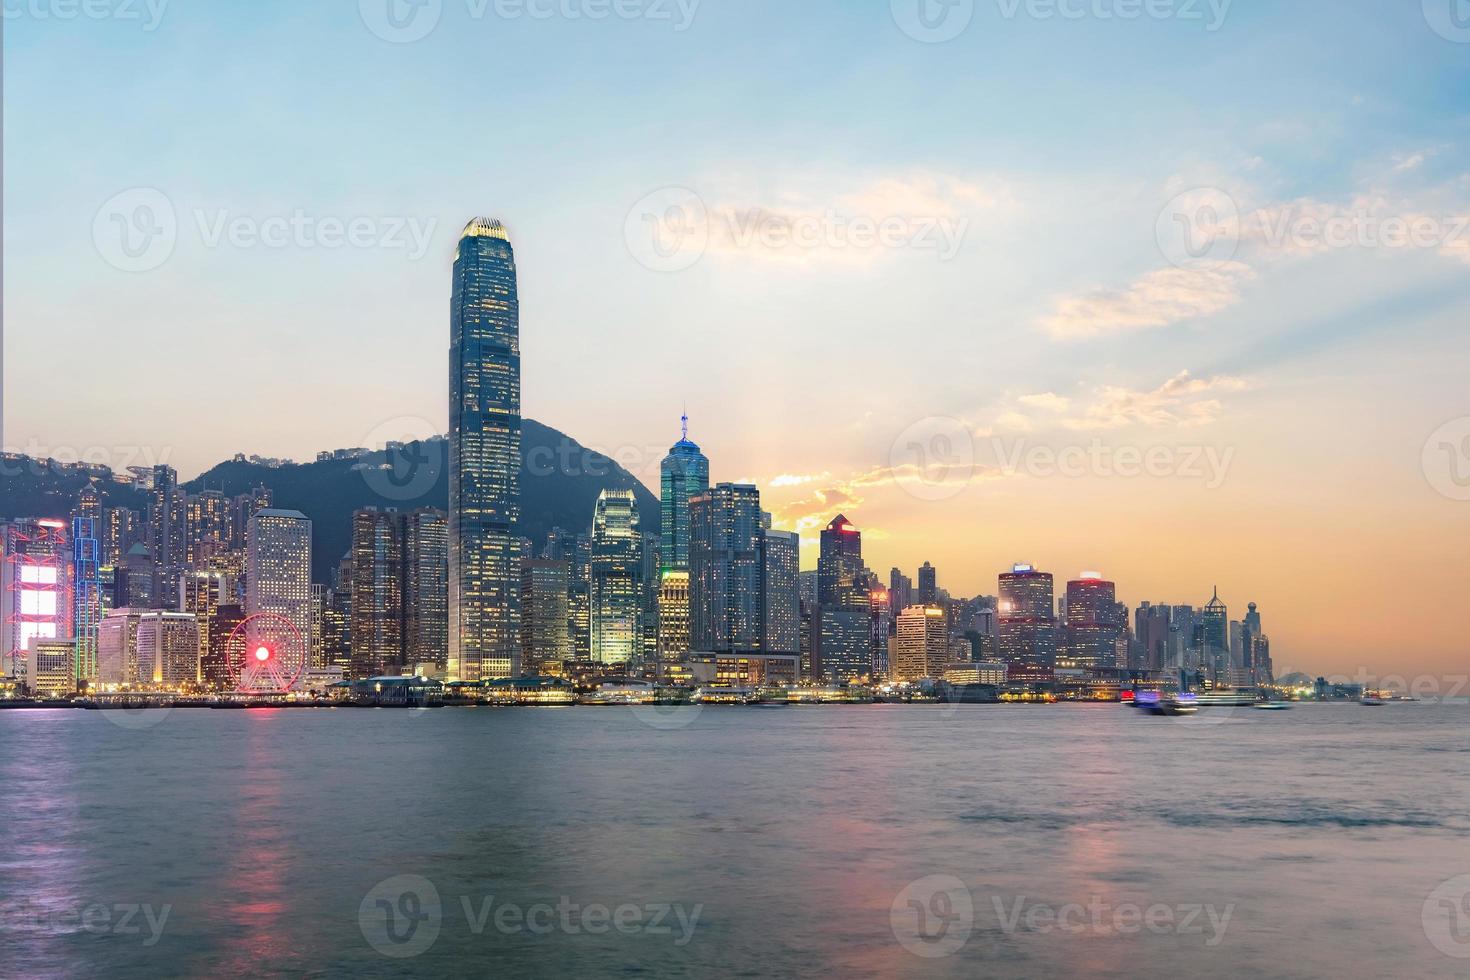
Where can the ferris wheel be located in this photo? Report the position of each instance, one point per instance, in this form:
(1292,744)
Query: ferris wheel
(266,654)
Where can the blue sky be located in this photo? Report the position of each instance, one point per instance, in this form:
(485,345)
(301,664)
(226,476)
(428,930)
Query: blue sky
(1052,146)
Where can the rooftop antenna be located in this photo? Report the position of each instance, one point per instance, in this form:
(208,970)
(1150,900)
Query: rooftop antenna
(684,422)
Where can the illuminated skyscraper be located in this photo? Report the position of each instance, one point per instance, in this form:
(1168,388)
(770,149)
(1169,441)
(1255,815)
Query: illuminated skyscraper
(546,642)
(840,567)
(425,588)
(35,571)
(922,650)
(86,583)
(617,579)
(1094,622)
(1028,625)
(782,611)
(673,618)
(484,456)
(377,593)
(203,594)
(278,568)
(928,585)
(1215,645)
(726,570)
(167,535)
(684,473)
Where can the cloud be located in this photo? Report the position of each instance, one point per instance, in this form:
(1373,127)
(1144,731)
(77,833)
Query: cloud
(1161,298)
(795,479)
(1405,164)
(848,494)
(1182,401)
(1047,401)
(825,220)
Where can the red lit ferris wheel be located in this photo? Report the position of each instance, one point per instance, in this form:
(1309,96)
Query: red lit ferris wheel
(266,654)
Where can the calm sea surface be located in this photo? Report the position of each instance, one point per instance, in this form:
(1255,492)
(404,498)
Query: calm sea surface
(1001,841)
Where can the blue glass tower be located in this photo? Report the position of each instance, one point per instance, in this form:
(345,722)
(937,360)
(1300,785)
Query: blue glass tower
(684,474)
(484,456)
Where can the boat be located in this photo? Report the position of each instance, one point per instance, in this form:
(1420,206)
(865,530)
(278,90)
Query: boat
(1228,699)
(1154,703)
(1272,706)
(1372,701)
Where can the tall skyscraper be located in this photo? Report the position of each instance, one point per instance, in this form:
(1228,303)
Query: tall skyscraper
(278,569)
(617,579)
(35,572)
(900,590)
(922,650)
(673,619)
(87,603)
(167,534)
(425,588)
(1215,645)
(684,473)
(782,574)
(377,593)
(484,456)
(726,570)
(928,585)
(546,642)
(1028,625)
(1093,622)
(203,594)
(840,566)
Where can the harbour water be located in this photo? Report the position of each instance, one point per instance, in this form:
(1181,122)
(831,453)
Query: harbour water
(872,841)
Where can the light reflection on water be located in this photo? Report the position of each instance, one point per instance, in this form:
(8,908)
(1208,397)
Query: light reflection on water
(1322,831)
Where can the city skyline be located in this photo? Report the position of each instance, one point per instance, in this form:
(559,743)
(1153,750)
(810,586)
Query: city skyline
(1062,320)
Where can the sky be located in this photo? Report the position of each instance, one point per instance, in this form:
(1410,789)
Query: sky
(1174,290)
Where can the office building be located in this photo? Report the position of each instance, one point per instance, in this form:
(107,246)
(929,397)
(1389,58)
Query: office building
(484,457)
